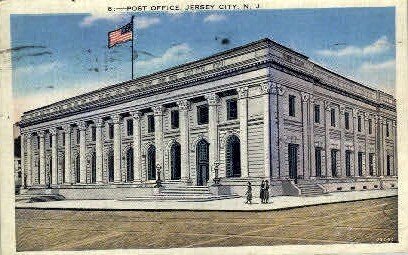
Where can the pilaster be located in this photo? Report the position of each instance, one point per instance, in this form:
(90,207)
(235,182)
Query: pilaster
(54,156)
(213,102)
(82,151)
(158,138)
(184,106)
(98,150)
(117,144)
(243,128)
(137,172)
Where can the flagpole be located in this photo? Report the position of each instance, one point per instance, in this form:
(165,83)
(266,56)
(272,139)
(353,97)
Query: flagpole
(132,44)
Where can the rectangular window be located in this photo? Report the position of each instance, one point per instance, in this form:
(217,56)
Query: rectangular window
(292,105)
(50,140)
(348,163)
(359,123)
(370,126)
(174,119)
(129,127)
(346,120)
(202,114)
(232,109)
(388,165)
(93,133)
(78,136)
(110,131)
(334,162)
(150,123)
(333,117)
(387,129)
(318,161)
(360,164)
(38,142)
(63,140)
(317,113)
(371,163)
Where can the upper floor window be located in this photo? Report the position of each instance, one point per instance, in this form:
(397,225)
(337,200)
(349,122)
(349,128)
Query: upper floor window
(387,129)
(232,109)
(346,120)
(150,123)
(110,131)
(292,105)
(317,113)
(359,123)
(93,133)
(78,136)
(202,114)
(370,126)
(129,127)
(332,117)
(174,118)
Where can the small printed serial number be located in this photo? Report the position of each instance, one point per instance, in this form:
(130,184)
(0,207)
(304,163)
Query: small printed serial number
(386,240)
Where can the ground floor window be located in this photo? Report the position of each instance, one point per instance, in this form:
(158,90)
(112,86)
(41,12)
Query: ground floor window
(360,163)
(129,165)
(110,166)
(388,165)
(93,168)
(293,160)
(151,163)
(348,163)
(371,163)
(77,170)
(334,162)
(175,159)
(318,161)
(233,157)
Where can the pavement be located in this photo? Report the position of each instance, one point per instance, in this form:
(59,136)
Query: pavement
(236,204)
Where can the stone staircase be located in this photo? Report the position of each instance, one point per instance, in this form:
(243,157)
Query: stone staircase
(183,194)
(310,189)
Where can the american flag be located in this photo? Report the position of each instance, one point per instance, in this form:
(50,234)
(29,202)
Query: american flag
(120,35)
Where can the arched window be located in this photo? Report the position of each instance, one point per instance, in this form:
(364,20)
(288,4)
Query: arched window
(93,168)
(77,170)
(175,160)
(233,157)
(129,165)
(110,166)
(151,163)
(202,157)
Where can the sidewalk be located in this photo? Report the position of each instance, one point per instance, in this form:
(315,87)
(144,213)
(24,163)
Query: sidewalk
(236,204)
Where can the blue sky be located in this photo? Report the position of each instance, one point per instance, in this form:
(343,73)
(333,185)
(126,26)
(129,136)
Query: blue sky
(67,55)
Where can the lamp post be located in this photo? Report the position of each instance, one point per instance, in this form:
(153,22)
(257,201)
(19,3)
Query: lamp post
(216,178)
(158,180)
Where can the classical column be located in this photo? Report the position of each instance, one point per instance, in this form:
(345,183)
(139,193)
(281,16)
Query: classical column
(98,150)
(29,160)
(366,171)
(54,156)
(327,137)
(273,128)
(243,128)
(395,168)
(82,151)
(306,169)
(137,138)
(67,173)
(380,146)
(283,171)
(158,138)
(355,129)
(342,170)
(384,147)
(266,90)
(311,142)
(213,101)
(184,106)
(42,180)
(23,160)
(117,143)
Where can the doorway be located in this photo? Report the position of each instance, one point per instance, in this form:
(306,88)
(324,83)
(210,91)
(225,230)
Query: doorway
(202,162)
(293,161)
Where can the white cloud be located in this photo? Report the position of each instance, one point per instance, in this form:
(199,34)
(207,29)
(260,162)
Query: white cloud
(171,56)
(90,19)
(380,75)
(38,69)
(140,22)
(43,98)
(377,47)
(145,22)
(214,18)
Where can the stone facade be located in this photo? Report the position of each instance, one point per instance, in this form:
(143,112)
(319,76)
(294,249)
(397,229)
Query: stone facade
(259,111)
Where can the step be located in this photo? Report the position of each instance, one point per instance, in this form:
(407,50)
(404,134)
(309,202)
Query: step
(180,199)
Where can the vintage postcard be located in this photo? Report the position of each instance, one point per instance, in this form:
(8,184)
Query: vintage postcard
(225,127)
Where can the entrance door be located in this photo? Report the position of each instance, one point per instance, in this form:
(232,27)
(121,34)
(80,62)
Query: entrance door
(292,156)
(202,163)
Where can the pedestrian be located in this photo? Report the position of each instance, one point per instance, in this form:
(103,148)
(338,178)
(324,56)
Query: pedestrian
(249,194)
(262,191)
(266,193)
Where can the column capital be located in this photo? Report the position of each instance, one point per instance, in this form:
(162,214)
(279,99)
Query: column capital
(342,109)
(355,113)
(82,125)
(212,99)
(312,99)
(41,133)
(183,104)
(365,116)
(305,97)
(242,92)
(394,123)
(67,128)
(158,110)
(98,122)
(116,119)
(327,105)
(136,114)
(53,131)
